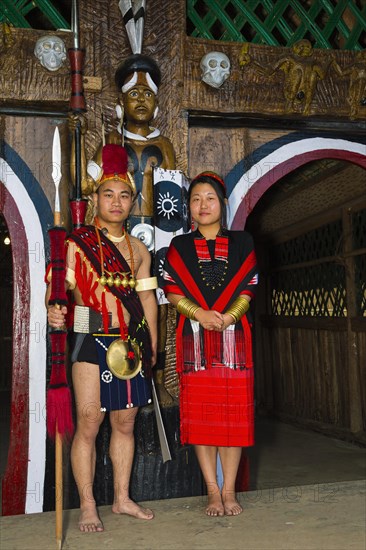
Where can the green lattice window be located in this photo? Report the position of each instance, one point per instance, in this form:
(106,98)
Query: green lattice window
(334,24)
(314,291)
(308,276)
(36,14)
(319,243)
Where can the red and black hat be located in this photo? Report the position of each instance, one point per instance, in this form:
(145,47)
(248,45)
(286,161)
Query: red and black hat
(114,166)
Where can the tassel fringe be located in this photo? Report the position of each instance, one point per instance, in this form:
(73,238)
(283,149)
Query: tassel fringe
(59,415)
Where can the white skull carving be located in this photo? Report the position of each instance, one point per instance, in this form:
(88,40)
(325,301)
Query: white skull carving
(51,52)
(215,67)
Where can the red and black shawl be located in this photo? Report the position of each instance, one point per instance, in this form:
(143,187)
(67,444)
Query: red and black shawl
(182,276)
(86,238)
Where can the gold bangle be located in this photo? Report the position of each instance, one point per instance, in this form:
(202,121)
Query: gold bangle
(186,307)
(238,308)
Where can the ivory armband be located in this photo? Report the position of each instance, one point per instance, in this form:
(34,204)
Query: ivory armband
(150,283)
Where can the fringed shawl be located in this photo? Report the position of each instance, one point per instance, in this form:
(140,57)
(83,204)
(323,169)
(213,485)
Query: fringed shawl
(196,348)
(86,239)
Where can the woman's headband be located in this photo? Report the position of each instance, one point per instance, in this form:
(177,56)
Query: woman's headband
(210,175)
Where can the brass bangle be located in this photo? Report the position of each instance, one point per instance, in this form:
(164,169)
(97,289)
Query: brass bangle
(238,308)
(186,307)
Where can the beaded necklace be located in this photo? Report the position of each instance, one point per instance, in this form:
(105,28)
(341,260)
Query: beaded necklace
(212,271)
(114,277)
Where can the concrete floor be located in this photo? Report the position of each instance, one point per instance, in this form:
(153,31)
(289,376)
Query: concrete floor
(308,492)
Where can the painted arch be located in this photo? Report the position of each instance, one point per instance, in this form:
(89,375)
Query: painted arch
(254,175)
(28,215)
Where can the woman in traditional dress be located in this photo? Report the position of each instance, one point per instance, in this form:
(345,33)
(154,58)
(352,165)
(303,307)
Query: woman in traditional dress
(210,276)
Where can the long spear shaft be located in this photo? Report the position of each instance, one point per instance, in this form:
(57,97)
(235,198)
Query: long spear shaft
(58,397)
(56,175)
(77,106)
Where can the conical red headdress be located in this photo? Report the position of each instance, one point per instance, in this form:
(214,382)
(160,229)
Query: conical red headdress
(115,165)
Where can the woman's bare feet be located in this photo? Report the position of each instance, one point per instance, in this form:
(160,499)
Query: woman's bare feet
(89,521)
(215,506)
(231,505)
(131,508)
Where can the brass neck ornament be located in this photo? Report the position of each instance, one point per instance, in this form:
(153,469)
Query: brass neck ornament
(113,278)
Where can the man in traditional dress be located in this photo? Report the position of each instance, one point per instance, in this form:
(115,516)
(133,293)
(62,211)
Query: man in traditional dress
(115,324)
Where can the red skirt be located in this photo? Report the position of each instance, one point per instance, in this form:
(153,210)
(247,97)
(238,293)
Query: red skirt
(217,407)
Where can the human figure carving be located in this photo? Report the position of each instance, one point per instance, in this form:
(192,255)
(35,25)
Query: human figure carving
(301,71)
(357,83)
(138,78)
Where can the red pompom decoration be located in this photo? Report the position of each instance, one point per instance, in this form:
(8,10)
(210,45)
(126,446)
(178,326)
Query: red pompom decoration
(114,160)
(59,403)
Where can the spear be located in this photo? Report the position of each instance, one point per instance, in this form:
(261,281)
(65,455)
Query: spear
(59,415)
(77,106)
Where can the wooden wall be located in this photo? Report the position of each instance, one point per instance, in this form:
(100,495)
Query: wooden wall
(303,375)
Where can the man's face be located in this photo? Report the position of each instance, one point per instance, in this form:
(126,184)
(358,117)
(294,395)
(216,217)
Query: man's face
(139,104)
(113,201)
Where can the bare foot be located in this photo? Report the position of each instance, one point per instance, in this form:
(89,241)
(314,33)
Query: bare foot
(231,505)
(131,508)
(89,522)
(215,506)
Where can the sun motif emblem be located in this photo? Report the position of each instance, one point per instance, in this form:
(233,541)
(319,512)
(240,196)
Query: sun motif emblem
(167,205)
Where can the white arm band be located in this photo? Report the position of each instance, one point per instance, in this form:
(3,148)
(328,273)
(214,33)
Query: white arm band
(150,283)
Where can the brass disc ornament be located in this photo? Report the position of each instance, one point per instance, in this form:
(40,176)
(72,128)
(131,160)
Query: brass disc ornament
(123,359)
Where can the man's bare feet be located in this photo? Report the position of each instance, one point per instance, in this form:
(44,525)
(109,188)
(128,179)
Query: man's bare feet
(89,522)
(131,508)
(215,506)
(231,505)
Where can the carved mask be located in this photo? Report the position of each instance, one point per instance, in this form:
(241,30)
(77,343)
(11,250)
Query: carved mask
(51,52)
(215,67)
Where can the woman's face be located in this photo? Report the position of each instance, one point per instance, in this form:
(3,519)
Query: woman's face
(205,205)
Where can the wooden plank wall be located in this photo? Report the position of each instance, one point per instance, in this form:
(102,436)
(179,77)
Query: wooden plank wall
(309,372)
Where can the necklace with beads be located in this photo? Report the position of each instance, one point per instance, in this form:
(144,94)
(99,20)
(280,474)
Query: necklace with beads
(114,278)
(213,270)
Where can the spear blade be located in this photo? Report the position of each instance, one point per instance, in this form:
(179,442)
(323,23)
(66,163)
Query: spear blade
(56,172)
